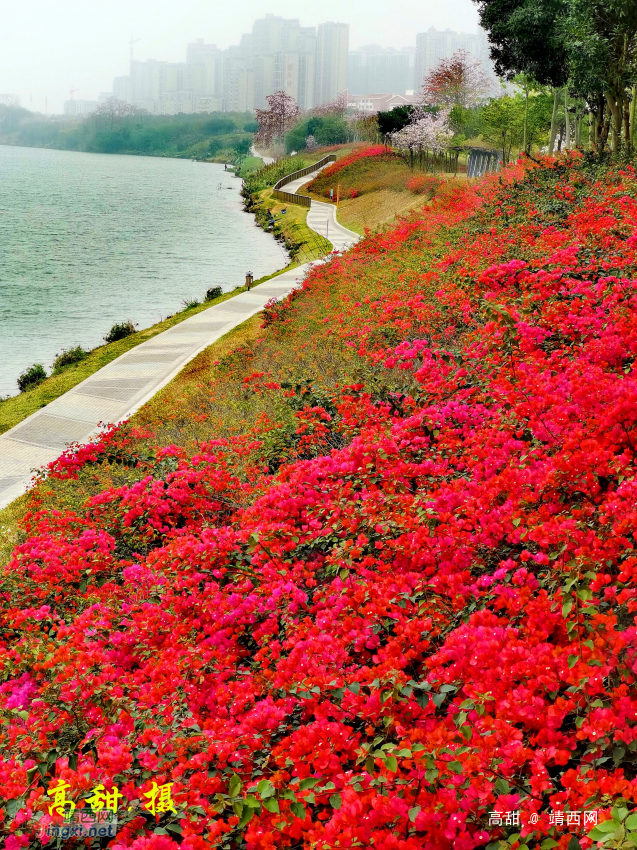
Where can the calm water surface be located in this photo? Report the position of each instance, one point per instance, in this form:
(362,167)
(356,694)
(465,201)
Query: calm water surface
(87,240)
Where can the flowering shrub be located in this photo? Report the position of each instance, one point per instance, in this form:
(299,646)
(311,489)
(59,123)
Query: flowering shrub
(423,184)
(390,606)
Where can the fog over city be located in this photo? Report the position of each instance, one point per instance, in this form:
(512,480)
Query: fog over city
(49,48)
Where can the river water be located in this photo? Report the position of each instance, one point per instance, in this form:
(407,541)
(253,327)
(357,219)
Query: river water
(87,240)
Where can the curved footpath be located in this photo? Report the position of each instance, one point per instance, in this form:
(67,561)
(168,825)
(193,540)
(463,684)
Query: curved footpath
(119,389)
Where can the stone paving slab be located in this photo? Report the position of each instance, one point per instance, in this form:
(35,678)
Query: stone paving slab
(120,388)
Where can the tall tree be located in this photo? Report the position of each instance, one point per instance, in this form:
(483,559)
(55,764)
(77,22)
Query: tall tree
(526,36)
(459,80)
(601,40)
(280,116)
(591,45)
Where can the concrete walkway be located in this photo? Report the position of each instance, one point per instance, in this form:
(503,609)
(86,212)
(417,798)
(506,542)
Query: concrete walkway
(117,390)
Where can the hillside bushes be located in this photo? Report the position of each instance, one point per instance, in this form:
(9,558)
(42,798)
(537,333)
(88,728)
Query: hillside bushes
(375,579)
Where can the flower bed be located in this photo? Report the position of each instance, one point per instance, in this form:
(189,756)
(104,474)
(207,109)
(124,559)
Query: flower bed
(407,603)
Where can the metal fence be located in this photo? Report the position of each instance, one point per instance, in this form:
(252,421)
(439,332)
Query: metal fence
(481,161)
(290,198)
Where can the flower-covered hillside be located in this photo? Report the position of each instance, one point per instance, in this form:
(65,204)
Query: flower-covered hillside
(374,580)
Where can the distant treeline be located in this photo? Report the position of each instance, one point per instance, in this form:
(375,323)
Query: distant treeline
(196,136)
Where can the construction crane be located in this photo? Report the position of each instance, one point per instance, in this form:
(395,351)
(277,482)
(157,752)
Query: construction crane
(73,92)
(132,42)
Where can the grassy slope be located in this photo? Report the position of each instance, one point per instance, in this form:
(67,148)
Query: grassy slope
(382,192)
(304,244)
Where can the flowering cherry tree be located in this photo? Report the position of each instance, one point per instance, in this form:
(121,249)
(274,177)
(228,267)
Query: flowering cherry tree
(459,80)
(338,106)
(428,132)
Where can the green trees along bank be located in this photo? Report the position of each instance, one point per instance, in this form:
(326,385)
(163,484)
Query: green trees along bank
(110,130)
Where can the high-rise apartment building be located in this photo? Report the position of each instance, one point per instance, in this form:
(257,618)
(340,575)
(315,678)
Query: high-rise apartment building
(238,78)
(378,70)
(332,47)
(434,45)
(283,58)
(205,69)
(278,55)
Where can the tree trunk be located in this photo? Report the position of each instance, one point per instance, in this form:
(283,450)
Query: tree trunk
(632,116)
(556,94)
(567,123)
(615,121)
(600,139)
(626,121)
(526,112)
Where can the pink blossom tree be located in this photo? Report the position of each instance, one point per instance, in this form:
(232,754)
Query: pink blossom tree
(280,116)
(426,133)
(459,80)
(338,106)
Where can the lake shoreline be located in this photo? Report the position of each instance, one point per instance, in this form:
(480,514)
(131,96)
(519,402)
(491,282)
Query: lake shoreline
(222,247)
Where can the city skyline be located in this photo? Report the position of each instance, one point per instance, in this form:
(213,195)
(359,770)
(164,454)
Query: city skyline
(313,65)
(45,51)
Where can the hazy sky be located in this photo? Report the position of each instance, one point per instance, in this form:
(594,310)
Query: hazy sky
(48,47)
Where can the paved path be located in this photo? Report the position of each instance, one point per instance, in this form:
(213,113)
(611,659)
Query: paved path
(117,390)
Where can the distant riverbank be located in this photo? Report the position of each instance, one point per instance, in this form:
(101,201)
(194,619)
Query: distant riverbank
(225,136)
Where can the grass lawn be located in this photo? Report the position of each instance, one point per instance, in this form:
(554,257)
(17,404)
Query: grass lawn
(304,244)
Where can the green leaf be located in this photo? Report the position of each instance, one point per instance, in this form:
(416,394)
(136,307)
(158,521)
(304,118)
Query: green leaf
(174,827)
(574,844)
(608,825)
(597,835)
(246,816)
(631,822)
(413,813)
(455,766)
(271,805)
(548,843)
(298,809)
(422,698)
(234,786)
(502,786)
(572,661)
(391,764)
(265,789)
(309,782)
(566,608)
(336,801)
(354,687)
